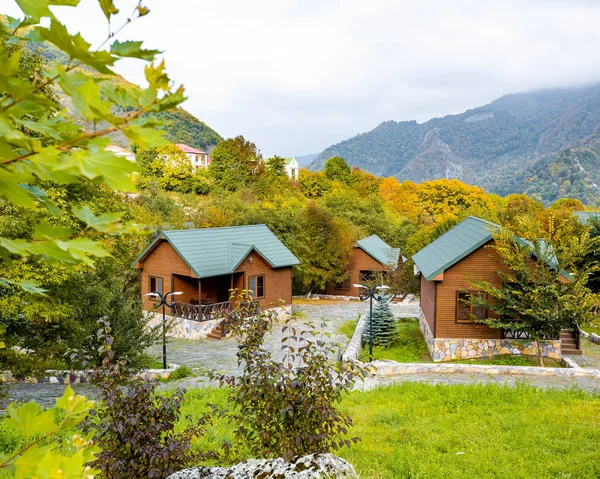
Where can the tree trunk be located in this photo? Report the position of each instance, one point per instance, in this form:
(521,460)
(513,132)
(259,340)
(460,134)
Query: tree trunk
(539,352)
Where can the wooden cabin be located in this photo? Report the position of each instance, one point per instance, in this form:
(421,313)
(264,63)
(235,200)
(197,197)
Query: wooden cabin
(371,257)
(447,321)
(206,264)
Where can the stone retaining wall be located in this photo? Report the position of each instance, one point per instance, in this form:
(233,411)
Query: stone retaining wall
(392,368)
(188,329)
(334,297)
(447,349)
(183,328)
(353,350)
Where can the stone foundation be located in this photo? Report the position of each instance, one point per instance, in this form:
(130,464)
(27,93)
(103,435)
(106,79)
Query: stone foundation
(183,328)
(189,329)
(447,349)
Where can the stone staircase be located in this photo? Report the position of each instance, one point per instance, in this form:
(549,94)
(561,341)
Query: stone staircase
(216,334)
(567,343)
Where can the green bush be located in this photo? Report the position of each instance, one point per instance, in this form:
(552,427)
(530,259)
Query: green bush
(180,373)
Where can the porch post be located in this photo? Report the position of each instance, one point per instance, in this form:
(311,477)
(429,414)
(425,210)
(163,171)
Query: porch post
(199,299)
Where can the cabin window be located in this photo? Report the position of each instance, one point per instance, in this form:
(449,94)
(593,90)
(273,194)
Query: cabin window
(256,286)
(366,276)
(465,311)
(156,284)
(345,284)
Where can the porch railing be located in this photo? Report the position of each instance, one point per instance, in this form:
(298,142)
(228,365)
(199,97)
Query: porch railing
(208,312)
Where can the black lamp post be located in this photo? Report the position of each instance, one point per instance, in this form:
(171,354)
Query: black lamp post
(162,301)
(370,293)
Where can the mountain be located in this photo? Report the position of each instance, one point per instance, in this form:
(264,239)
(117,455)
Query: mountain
(305,160)
(544,143)
(180,125)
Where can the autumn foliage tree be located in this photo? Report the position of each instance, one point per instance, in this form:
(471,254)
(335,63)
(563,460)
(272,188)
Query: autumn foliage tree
(545,289)
(235,162)
(324,249)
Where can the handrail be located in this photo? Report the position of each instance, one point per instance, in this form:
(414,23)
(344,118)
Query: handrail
(576,335)
(209,312)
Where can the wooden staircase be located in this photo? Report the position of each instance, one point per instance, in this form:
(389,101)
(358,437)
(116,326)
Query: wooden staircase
(216,334)
(567,343)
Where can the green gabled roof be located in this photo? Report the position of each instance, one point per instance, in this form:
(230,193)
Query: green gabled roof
(378,249)
(452,246)
(459,242)
(217,251)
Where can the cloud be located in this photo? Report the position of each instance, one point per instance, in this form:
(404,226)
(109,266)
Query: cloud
(298,75)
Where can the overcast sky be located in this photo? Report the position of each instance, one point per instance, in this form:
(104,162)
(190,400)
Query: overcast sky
(296,76)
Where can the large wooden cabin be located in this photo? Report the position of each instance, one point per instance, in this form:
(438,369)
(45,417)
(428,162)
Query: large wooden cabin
(371,257)
(206,264)
(446,267)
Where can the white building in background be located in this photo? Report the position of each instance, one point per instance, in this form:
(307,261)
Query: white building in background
(291,168)
(198,158)
(120,151)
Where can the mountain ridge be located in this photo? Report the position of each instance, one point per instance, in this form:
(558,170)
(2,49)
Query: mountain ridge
(496,146)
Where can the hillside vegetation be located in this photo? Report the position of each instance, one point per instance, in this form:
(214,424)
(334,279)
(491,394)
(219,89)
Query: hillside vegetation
(543,143)
(180,126)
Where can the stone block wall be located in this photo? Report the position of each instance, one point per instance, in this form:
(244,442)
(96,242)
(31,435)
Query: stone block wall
(183,328)
(447,349)
(189,329)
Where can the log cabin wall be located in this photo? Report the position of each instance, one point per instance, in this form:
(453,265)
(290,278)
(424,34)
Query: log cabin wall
(162,262)
(359,261)
(277,283)
(483,263)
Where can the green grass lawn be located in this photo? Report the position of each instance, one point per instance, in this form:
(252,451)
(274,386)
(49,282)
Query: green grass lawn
(424,431)
(347,328)
(508,360)
(428,431)
(410,347)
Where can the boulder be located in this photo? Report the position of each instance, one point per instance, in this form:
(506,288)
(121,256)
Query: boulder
(323,466)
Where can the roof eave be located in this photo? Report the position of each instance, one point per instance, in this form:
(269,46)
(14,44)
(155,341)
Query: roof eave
(462,256)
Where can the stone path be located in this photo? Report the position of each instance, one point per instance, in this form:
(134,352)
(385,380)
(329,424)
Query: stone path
(457,378)
(590,357)
(221,355)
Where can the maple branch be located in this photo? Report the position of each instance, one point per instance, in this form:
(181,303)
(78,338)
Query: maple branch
(87,136)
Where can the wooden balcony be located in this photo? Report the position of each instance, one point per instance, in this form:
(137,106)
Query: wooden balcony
(208,312)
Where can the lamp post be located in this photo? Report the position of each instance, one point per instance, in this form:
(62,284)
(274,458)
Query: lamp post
(162,301)
(370,293)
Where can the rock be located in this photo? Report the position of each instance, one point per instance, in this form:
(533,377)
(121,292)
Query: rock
(323,466)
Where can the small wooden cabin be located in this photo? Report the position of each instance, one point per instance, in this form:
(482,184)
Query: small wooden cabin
(447,322)
(205,264)
(371,257)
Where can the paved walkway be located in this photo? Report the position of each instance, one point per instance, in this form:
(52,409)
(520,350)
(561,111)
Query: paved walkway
(458,378)
(590,357)
(325,315)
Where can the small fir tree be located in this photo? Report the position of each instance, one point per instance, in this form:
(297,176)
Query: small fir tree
(385,330)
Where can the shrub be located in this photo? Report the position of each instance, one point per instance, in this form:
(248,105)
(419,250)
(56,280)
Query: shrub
(288,408)
(180,373)
(135,426)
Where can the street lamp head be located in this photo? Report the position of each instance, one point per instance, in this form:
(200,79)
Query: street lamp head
(153,295)
(174,293)
(382,287)
(360,286)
